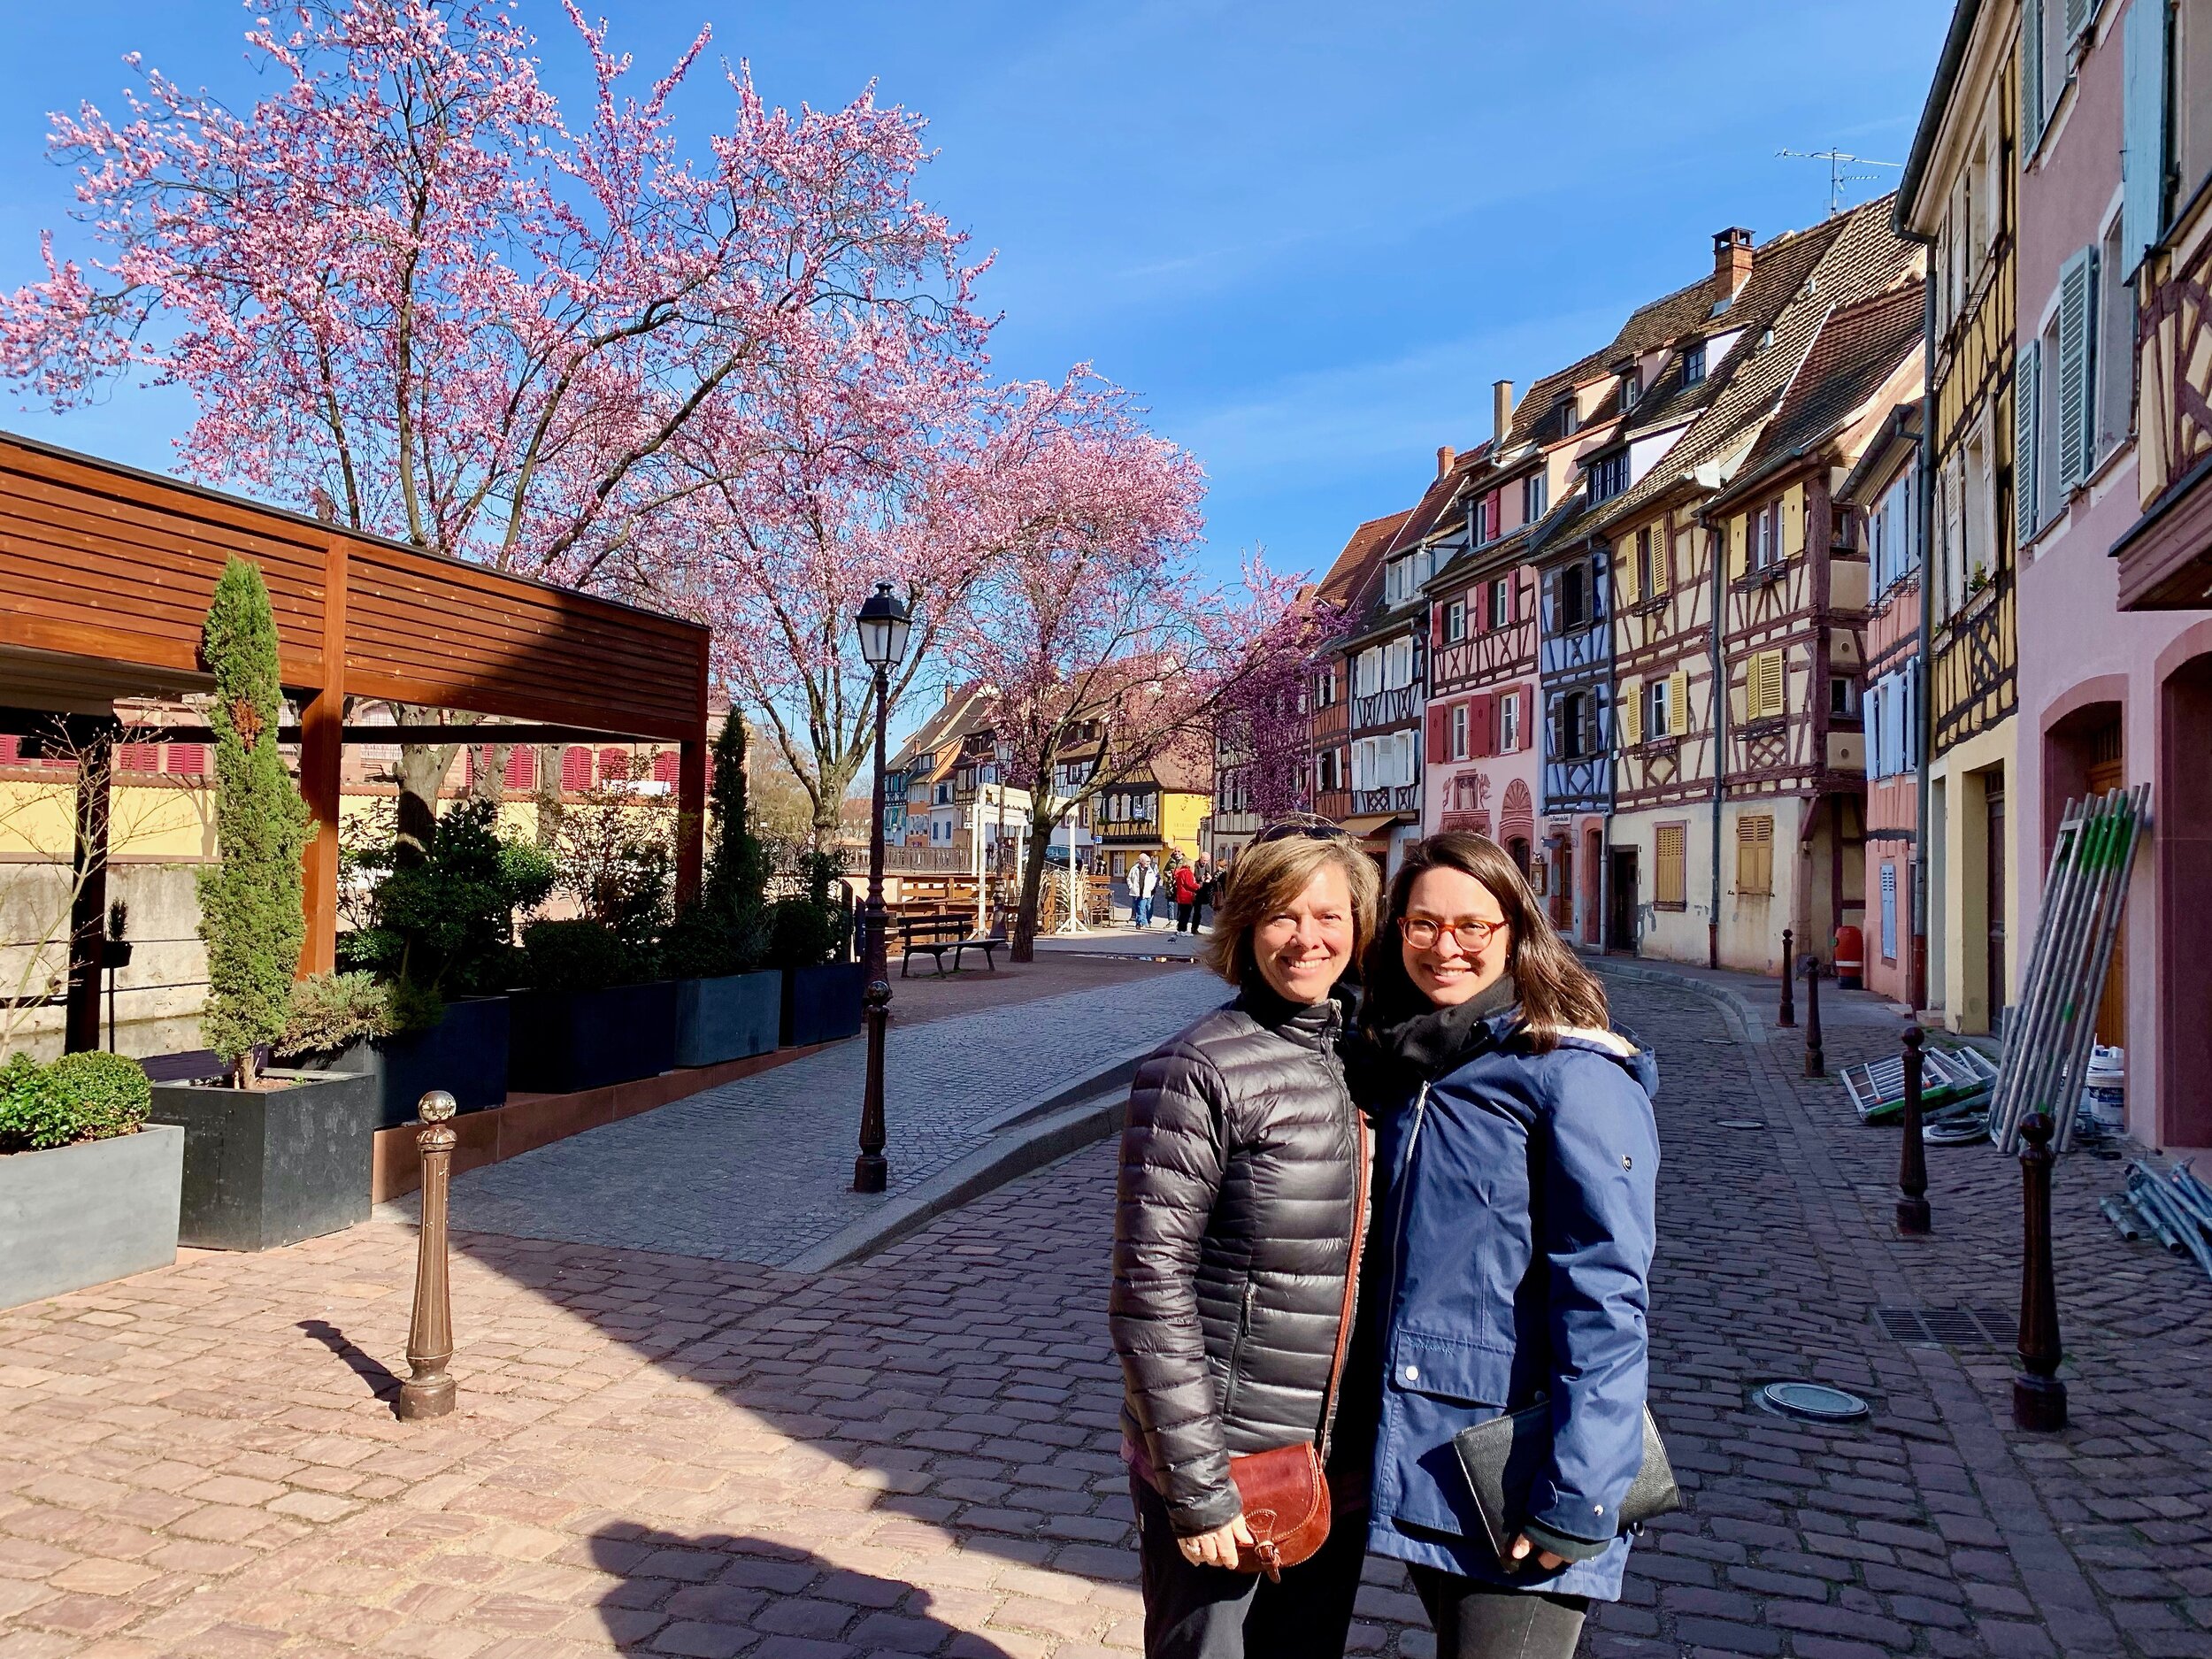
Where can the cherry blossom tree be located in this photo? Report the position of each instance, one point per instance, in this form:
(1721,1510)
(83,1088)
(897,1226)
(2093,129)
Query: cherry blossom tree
(404,290)
(1107,650)
(1261,720)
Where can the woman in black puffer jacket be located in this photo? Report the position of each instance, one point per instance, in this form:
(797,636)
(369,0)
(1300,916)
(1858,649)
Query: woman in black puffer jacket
(1241,1192)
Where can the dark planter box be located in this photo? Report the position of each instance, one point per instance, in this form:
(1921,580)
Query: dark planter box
(564,1042)
(822,1005)
(464,1054)
(731,1017)
(264,1167)
(77,1216)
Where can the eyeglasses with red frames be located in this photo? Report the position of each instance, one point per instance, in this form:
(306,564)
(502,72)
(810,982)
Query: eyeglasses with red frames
(1423,931)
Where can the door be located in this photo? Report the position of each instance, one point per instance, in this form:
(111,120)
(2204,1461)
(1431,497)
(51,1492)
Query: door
(1626,901)
(2106,773)
(1563,891)
(1993,799)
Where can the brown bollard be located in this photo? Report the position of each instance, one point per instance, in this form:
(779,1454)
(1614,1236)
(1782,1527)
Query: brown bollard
(1789,981)
(1816,1057)
(2039,1399)
(429,1391)
(870,1172)
(1913,1214)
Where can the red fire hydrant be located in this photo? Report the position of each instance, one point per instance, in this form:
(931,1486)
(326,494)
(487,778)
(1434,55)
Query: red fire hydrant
(1850,958)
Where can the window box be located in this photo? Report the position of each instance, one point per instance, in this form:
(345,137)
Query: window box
(264,1167)
(76,1216)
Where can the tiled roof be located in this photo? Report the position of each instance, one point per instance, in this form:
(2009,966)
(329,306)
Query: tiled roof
(1858,347)
(1858,255)
(955,717)
(1350,582)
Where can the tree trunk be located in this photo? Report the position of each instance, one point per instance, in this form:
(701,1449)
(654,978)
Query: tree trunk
(1023,947)
(490,783)
(422,772)
(549,808)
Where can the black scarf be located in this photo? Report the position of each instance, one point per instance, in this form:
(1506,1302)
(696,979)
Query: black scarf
(1426,1042)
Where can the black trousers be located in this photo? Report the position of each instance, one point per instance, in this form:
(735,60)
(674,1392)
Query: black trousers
(1185,918)
(1212,1613)
(1475,1620)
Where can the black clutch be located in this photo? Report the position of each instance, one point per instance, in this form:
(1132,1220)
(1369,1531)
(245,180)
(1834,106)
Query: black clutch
(1502,1457)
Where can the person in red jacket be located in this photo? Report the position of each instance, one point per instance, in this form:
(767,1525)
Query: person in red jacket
(1186,899)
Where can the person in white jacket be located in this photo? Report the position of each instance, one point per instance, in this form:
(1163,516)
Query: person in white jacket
(1144,881)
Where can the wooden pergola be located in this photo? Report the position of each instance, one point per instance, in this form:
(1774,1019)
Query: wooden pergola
(105,576)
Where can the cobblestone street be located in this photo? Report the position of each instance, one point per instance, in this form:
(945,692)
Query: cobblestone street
(663,1453)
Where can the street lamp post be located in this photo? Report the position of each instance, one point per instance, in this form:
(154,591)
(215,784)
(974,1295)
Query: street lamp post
(884,624)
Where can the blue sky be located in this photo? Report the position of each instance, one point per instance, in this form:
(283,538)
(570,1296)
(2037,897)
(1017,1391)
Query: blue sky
(1310,235)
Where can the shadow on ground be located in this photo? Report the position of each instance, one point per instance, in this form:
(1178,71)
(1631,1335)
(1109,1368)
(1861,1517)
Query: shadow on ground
(713,1595)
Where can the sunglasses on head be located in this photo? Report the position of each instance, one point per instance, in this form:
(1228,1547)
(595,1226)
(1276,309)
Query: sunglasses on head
(1294,829)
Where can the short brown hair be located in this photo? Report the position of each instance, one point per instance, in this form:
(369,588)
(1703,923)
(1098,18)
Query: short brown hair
(1556,992)
(1267,876)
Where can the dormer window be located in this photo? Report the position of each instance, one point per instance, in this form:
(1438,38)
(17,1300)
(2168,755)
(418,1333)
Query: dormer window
(1570,415)
(1693,364)
(1608,476)
(1629,387)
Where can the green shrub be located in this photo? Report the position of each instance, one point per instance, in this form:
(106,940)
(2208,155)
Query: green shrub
(416,1008)
(446,923)
(79,1097)
(249,901)
(109,1093)
(331,1012)
(804,934)
(580,956)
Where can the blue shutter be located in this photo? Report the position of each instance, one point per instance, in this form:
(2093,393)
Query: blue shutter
(2025,426)
(2143,134)
(2031,78)
(1889,913)
(2075,429)
(2078,15)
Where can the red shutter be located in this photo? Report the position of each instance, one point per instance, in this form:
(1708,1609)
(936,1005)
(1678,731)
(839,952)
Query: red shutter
(10,749)
(1485,724)
(1440,734)
(137,757)
(1497,512)
(614,766)
(665,767)
(522,767)
(576,769)
(187,760)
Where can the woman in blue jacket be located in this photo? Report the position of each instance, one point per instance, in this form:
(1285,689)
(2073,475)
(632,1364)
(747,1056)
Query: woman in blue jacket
(1512,1255)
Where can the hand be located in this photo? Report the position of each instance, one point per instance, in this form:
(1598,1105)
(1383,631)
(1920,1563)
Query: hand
(1519,1551)
(1218,1548)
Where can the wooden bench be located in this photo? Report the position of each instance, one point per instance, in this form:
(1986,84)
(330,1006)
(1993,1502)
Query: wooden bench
(937,934)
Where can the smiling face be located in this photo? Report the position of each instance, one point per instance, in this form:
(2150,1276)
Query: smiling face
(1303,949)
(1443,969)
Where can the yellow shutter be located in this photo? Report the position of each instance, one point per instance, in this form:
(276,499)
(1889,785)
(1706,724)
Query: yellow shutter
(1662,558)
(1632,713)
(1771,684)
(1739,558)
(1793,521)
(1624,570)
(1754,854)
(1671,846)
(1678,703)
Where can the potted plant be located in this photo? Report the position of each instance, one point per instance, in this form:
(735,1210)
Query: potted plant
(594,1013)
(270,1157)
(89,1190)
(811,940)
(728,1006)
(440,938)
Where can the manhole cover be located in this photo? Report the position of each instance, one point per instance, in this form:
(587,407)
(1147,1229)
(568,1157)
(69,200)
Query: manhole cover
(1814,1402)
(1738,1123)
(1949,1327)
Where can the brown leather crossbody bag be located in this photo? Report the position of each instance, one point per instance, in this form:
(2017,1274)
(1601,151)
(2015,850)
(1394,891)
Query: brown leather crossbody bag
(1284,1490)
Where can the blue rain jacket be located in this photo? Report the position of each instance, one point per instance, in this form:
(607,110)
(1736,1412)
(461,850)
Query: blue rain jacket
(1518,1225)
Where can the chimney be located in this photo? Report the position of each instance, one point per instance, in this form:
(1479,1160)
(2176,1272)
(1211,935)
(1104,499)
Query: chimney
(1445,457)
(1731,259)
(1501,410)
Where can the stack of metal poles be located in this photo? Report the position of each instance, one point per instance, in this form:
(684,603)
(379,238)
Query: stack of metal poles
(2084,892)
(2176,1210)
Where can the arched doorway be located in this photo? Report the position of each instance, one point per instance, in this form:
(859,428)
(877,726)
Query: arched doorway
(2082,756)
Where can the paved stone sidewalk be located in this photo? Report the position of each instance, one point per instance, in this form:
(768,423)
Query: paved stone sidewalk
(761,1169)
(669,1456)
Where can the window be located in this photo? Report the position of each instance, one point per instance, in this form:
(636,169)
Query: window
(1573,609)
(1766,536)
(1658,722)
(1483,517)
(1397,663)
(1889,913)
(1608,475)
(1325,689)
(1535,496)
(1693,364)
(1509,722)
(1755,854)
(1501,601)
(1573,733)
(1454,621)
(1670,888)
(1889,535)
(1843,698)
(1459,731)
(1570,414)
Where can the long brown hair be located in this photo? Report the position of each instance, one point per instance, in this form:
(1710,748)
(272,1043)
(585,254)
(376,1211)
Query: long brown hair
(1558,992)
(1267,876)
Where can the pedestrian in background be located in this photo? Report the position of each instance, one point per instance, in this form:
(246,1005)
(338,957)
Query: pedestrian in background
(1185,889)
(1144,881)
(1517,1136)
(1207,891)
(1241,1199)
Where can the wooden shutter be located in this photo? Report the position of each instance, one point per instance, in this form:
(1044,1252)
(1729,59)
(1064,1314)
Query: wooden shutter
(1678,703)
(1771,684)
(522,767)
(1632,714)
(2032,73)
(1440,734)
(1662,560)
(2143,134)
(2078,15)
(576,768)
(1889,913)
(1792,528)
(1739,560)
(2026,409)
(2076,426)
(1755,854)
(1625,571)
(665,765)
(1671,885)
(1484,724)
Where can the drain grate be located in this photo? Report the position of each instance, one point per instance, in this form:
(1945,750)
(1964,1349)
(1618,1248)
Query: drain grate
(1950,1327)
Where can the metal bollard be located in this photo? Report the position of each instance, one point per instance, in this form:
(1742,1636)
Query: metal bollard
(1789,981)
(1912,1158)
(2039,1399)
(429,1391)
(870,1172)
(1816,1057)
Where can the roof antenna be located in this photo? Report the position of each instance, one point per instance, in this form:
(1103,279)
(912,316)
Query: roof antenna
(1837,176)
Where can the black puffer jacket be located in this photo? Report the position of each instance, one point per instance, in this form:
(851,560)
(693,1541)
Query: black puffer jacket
(1240,1188)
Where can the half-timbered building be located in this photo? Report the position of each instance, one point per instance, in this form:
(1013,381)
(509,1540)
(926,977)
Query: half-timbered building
(1959,196)
(1346,589)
